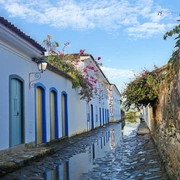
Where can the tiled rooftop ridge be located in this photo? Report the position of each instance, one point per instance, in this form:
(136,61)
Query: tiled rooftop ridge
(17,31)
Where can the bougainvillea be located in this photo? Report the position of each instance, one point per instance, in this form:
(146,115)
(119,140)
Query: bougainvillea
(85,78)
(143,90)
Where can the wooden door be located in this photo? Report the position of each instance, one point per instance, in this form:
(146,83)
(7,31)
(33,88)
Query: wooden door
(16,104)
(39,115)
(64,113)
(92,117)
(52,94)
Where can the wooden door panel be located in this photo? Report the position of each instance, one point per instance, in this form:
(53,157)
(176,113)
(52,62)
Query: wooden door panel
(38,115)
(16,127)
(53,115)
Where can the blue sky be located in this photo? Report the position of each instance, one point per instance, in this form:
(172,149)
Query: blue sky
(126,34)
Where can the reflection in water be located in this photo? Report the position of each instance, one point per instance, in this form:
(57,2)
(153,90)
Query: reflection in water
(59,173)
(130,128)
(83,162)
(112,139)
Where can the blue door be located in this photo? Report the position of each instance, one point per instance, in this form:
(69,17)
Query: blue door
(88,117)
(108,115)
(103,115)
(16,120)
(92,117)
(64,113)
(100,116)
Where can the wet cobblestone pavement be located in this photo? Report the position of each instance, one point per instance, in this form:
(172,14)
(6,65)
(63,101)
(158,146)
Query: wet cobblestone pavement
(135,159)
(82,157)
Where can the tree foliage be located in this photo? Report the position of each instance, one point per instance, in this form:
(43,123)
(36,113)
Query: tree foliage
(83,78)
(143,91)
(173,66)
(174,31)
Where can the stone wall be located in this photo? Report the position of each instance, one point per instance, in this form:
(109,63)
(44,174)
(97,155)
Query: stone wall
(165,125)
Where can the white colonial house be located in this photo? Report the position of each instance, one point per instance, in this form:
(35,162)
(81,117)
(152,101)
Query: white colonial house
(37,107)
(114,103)
(97,108)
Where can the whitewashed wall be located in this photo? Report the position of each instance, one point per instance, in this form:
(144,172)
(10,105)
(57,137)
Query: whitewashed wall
(103,103)
(115,104)
(76,107)
(146,116)
(16,59)
(14,62)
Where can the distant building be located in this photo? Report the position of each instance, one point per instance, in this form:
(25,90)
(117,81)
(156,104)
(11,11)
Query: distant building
(114,103)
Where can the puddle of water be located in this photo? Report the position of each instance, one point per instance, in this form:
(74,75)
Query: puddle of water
(83,162)
(129,129)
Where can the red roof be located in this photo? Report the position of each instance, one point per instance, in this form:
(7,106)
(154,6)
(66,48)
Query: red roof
(11,27)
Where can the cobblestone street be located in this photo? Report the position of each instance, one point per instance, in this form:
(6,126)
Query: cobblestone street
(135,159)
(82,157)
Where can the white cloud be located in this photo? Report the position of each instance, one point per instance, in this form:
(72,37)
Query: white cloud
(118,76)
(147,29)
(138,18)
(113,73)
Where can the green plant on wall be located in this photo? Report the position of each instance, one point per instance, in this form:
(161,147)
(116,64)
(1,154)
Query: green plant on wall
(62,61)
(143,90)
(173,66)
(83,78)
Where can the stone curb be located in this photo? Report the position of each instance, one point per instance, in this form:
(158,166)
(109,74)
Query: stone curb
(13,161)
(23,158)
(143,129)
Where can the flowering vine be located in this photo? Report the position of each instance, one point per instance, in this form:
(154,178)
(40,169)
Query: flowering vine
(143,90)
(85,78)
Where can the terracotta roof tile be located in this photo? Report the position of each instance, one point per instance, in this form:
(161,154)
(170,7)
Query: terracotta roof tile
(21,34)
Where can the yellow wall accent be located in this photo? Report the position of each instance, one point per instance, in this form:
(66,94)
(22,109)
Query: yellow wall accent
(53,114)
(63,115)
(39,115)
(54,174)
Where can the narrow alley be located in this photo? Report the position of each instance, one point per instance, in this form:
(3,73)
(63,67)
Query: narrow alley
(103,153)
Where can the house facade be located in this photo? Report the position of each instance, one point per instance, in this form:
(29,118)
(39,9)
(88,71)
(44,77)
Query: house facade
(35,107)
(97,108)
(17,50)
(114,103)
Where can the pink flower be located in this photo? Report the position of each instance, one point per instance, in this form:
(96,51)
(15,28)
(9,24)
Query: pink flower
(60,53)
(81,51)
(66,44)
(92,68)
(98,58)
